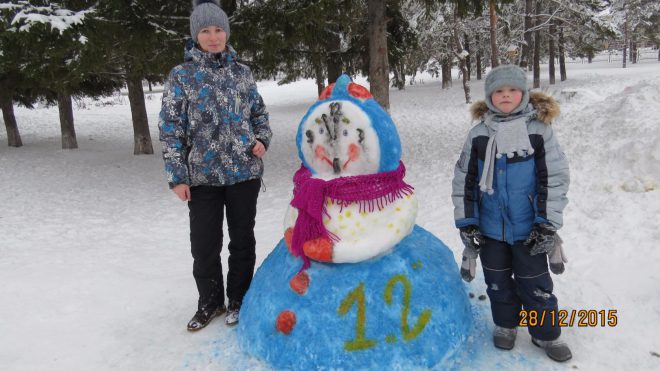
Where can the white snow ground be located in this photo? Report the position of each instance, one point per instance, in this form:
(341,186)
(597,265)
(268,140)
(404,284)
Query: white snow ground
(94,255)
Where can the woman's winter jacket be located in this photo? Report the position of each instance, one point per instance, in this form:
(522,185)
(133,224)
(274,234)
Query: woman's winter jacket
(211,118)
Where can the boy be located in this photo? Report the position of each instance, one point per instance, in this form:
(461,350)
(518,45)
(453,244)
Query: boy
(509,191)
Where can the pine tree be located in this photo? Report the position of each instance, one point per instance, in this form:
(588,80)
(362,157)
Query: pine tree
(297,39)
(51,40)
(144,39)
(12,77)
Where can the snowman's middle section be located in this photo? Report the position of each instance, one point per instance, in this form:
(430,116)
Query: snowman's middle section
(364,234)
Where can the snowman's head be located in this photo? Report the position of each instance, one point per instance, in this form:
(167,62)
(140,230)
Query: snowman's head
(347,133)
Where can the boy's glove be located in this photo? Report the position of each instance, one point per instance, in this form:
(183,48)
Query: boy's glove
(541,239)
(556,257)
(472,239)
(544,239)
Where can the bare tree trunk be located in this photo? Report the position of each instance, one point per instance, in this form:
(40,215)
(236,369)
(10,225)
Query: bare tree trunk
(399,76)
(65,107)
(379,70)
(633,51)
(468,60)
(562,57)
(494,59)
(446,73)
(625,34)
(527,46)
(551,53)
(141,136)
(334,55)
(461,57)
(320,77)
(478,61)
(537,47)
(7,104)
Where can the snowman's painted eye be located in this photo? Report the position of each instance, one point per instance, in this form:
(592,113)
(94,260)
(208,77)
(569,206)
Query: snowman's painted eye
(310,136)
(321,131)
(345,133)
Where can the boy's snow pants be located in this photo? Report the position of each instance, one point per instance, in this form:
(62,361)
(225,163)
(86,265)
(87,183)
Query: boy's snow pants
(517,281)
(207,207)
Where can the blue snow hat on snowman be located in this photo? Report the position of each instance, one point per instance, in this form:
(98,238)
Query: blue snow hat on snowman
(388,137)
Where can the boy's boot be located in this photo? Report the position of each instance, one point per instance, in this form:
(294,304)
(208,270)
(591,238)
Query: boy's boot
(555,349)
(504,338)
(204,316)
(232,313)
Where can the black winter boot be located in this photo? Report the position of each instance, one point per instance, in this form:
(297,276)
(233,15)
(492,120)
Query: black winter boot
(204,316)
(233,311)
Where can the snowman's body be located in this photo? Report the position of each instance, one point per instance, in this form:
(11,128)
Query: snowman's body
(364,234)
(343,136)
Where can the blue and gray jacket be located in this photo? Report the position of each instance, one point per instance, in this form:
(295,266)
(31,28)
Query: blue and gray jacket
(527,189)
(211,117)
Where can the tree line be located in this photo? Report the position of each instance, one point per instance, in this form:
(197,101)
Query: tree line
(55,51)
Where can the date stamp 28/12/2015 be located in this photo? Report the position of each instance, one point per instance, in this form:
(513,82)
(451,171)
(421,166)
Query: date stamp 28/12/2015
(569,318)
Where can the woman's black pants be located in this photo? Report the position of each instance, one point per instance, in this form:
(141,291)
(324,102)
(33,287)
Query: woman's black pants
(207,207)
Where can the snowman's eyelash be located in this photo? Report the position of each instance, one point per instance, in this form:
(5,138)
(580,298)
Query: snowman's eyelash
(360,135)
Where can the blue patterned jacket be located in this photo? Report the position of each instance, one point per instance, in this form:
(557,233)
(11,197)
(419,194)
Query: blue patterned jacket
(211,117)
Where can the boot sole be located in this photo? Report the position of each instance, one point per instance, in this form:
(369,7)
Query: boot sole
(503,347)
(550,356)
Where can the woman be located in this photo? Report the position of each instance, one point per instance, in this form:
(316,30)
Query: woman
(214,131)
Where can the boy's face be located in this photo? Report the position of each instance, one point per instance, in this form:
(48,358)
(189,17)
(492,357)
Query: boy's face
(506,98)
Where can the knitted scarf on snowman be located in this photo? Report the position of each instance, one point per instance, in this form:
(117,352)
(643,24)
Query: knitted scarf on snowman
(368,191)
(509,137)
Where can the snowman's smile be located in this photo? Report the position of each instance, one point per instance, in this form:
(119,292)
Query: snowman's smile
(337,167)
(322,155)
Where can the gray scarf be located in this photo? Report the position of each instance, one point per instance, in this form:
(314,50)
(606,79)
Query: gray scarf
(509,137)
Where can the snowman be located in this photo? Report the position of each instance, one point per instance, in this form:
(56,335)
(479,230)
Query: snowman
(354,283)
(350,201)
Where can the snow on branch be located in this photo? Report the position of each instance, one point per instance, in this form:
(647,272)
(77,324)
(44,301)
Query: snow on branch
(9,6)
(57,18)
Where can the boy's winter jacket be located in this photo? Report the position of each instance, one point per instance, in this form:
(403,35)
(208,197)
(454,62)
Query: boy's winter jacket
(527,189)
(211,117)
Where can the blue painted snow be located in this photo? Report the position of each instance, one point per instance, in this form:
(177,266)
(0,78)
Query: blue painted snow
(321,333)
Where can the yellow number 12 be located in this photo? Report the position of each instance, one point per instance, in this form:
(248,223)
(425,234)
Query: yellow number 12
(361,342)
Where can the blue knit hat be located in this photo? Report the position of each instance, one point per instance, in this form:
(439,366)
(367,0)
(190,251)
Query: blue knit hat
(207,13)
(506,75)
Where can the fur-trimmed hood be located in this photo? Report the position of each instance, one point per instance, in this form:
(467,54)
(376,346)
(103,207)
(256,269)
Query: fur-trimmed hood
(547,108)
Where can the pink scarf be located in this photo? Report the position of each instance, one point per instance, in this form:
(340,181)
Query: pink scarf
(309,194)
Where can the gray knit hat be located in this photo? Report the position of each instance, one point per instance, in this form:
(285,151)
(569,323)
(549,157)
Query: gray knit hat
(506,74)
(207,13)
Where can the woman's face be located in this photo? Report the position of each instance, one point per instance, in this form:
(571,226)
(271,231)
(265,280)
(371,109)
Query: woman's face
(506,98)
(212,39)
